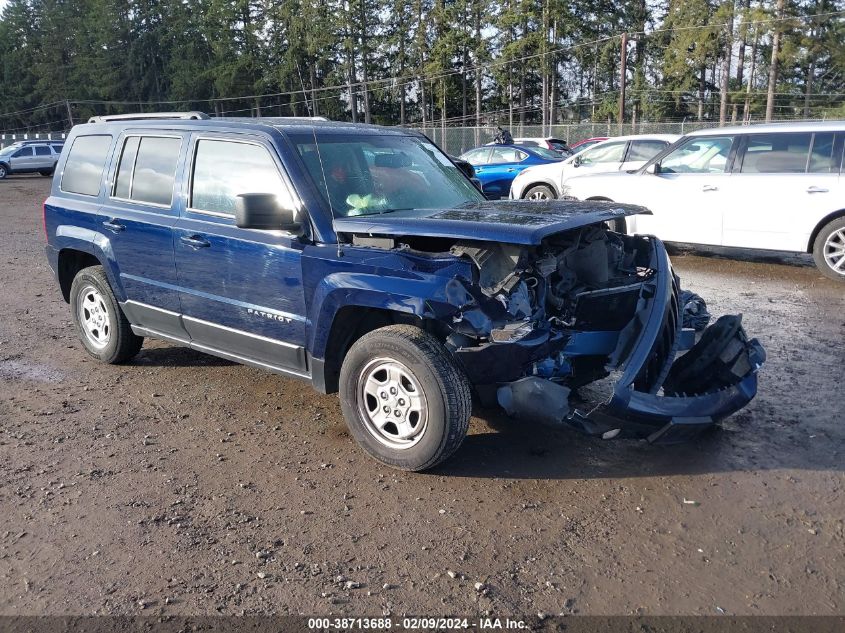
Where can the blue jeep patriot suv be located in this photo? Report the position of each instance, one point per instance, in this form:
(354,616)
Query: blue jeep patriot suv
(362,260)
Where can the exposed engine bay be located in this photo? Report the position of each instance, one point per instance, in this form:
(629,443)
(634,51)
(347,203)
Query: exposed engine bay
(563,304)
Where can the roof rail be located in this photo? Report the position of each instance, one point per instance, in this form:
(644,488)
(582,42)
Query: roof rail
(140,116)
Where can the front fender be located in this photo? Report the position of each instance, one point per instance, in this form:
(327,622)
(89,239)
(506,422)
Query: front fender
(70,237)
(414,296)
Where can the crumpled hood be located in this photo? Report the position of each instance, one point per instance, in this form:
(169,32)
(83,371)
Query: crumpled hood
(508,221)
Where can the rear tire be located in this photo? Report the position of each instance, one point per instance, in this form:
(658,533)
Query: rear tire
(540,193)
(102,327)
(46,172)
(405,400)
(829,250)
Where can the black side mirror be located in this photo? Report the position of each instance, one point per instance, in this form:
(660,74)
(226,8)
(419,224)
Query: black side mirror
(577,162)
(264,212)
(477,184)
(654,168)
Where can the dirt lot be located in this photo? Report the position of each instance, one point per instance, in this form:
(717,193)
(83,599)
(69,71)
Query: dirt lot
(185,484)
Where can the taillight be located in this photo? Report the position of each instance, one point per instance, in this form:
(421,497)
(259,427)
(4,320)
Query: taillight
(44,220)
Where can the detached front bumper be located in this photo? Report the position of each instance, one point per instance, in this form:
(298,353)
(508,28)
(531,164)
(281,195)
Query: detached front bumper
(654,395)
(725,380)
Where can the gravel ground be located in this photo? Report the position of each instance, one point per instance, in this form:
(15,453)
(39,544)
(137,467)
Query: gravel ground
(185,484)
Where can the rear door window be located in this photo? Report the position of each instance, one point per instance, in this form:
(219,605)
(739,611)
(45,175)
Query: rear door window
(83,170)
(781,153)
(42,150)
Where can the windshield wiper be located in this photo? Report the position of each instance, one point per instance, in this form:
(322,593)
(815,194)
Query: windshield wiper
(399,209)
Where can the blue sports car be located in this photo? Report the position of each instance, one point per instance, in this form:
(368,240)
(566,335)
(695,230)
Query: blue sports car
(497,165)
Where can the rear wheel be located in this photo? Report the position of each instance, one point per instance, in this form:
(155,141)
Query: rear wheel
(540,193)
(405,400)
(102,327)
(46,172)
(829,250)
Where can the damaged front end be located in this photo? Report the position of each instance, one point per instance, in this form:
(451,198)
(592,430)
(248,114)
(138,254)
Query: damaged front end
(588,330)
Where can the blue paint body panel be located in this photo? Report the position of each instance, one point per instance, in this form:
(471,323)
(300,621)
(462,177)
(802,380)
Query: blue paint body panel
(509,221)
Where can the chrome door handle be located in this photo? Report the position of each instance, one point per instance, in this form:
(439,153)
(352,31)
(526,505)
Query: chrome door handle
(195,241)
(816,190)
(709,188)
(114,226)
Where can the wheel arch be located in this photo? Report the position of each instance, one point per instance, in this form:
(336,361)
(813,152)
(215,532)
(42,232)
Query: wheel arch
(820,225)
(350,323)
(535,183)
(70,262)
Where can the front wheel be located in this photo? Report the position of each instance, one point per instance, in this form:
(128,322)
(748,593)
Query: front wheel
(540,193)
(103,328)
(4,171)
(829,250)
(405,400)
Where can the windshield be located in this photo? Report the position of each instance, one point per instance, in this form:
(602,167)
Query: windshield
(370,174)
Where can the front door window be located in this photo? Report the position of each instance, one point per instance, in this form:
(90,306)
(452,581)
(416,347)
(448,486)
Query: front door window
(699,155)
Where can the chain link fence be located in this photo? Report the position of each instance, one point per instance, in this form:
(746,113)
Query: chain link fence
(8,139)
(457,140)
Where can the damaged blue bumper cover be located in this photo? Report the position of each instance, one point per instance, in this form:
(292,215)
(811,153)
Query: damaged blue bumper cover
(655,395)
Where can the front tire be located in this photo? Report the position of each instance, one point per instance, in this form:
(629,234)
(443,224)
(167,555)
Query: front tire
(102,327)
(405,400)
(829,250)
(540,193)
(4,171)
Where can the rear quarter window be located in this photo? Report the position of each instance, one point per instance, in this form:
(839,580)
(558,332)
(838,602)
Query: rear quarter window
(85,163)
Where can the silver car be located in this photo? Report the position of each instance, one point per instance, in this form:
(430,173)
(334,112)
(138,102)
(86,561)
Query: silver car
(28,157)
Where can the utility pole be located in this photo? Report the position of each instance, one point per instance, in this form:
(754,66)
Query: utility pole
(69,113)
(622,62)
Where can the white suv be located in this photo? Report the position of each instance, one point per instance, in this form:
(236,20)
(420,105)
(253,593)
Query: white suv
(775,186)
(547,182)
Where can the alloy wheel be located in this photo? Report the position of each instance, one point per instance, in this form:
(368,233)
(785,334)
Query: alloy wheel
(834,251)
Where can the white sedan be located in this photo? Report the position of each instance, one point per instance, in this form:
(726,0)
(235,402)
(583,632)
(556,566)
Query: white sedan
(775,186)
(621,153)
